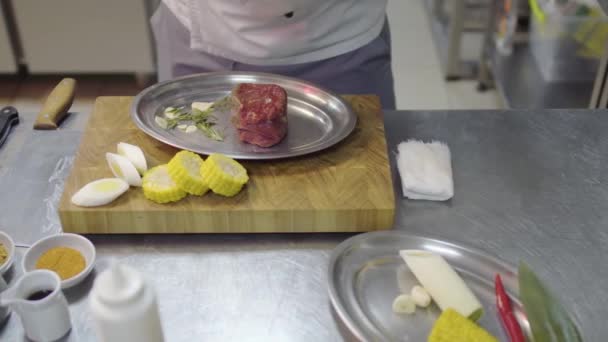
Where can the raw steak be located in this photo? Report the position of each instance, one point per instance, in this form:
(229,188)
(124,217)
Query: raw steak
(260,113)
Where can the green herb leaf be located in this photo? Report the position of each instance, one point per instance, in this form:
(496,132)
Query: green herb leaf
(224,103)
(203,120)
(210,132)
(199,116)
(548,320)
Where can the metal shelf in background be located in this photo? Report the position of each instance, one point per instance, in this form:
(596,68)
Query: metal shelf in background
(519,80)
(448,29)
(522,86)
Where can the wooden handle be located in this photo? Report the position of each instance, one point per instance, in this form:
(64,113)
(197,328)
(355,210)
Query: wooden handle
(57,104)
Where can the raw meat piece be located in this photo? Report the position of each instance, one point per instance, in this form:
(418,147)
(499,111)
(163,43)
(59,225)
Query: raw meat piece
(264,134)
(260,113)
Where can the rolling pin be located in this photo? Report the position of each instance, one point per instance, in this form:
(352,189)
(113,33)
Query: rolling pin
(57,104)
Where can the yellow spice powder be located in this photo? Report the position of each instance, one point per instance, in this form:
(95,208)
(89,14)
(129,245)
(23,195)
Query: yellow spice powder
(66,262)
(3,254)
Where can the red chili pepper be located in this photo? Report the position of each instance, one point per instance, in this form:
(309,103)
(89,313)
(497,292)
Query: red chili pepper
(509,322)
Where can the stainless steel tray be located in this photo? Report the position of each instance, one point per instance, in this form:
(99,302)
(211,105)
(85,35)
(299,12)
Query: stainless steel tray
(317,118)
(366,274)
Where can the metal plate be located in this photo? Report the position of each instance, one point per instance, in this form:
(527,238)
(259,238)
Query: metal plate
(366,274)
(317,118)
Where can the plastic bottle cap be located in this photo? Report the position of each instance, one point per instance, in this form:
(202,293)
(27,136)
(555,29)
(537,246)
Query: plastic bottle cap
(119,285)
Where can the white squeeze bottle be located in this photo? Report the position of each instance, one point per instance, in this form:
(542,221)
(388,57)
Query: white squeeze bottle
(124,308)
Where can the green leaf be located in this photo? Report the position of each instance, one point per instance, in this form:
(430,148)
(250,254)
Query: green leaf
(171,124)
(210,132)
(548,319)
(224,103)
(199,116)
(203,120)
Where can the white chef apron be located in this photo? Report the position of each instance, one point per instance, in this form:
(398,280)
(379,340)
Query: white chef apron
(279,32)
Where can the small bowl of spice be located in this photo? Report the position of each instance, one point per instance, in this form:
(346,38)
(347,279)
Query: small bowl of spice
(71,256)
(7,252)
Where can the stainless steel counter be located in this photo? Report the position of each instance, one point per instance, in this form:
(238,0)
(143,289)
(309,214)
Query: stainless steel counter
(529,185)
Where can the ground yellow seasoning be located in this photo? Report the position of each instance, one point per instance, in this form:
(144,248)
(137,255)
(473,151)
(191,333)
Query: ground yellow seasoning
(66,262)
(3,254)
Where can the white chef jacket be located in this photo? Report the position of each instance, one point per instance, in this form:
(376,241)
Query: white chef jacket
(279,32)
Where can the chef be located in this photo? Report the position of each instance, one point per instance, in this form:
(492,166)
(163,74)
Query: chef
(343,45)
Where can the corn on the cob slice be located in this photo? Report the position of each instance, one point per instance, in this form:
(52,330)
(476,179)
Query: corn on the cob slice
(159,187)
(224,175)
(453,327)
(185,170)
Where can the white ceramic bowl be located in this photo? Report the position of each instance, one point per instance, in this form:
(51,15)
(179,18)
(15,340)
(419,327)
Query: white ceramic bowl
(9,245)
(75,241)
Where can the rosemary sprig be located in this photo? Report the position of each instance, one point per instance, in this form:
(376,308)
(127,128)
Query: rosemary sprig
(200,116)
(210,131)
(180,117)
(224,103)
(203,120)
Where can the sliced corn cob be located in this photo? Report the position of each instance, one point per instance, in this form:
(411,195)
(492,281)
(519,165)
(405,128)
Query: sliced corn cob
(224,175)
(159,187)
(454,327)
(185,170)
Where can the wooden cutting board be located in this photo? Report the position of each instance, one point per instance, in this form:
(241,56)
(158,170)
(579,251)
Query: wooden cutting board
(347,188)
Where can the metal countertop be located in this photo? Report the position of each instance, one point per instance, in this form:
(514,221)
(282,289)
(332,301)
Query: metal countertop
(529,185)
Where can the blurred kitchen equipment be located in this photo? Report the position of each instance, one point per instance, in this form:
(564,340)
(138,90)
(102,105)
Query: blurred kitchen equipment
(98,45)
(507,17)
(56,106)
(9,117)
(4,311)
(124,307)
(567,39)
(547,58)
(453,23)
(38,300)
(9,50)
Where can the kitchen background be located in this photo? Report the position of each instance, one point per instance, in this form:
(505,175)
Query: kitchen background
(550,57)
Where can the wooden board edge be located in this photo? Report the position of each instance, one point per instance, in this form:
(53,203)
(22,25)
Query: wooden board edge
(342,221)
